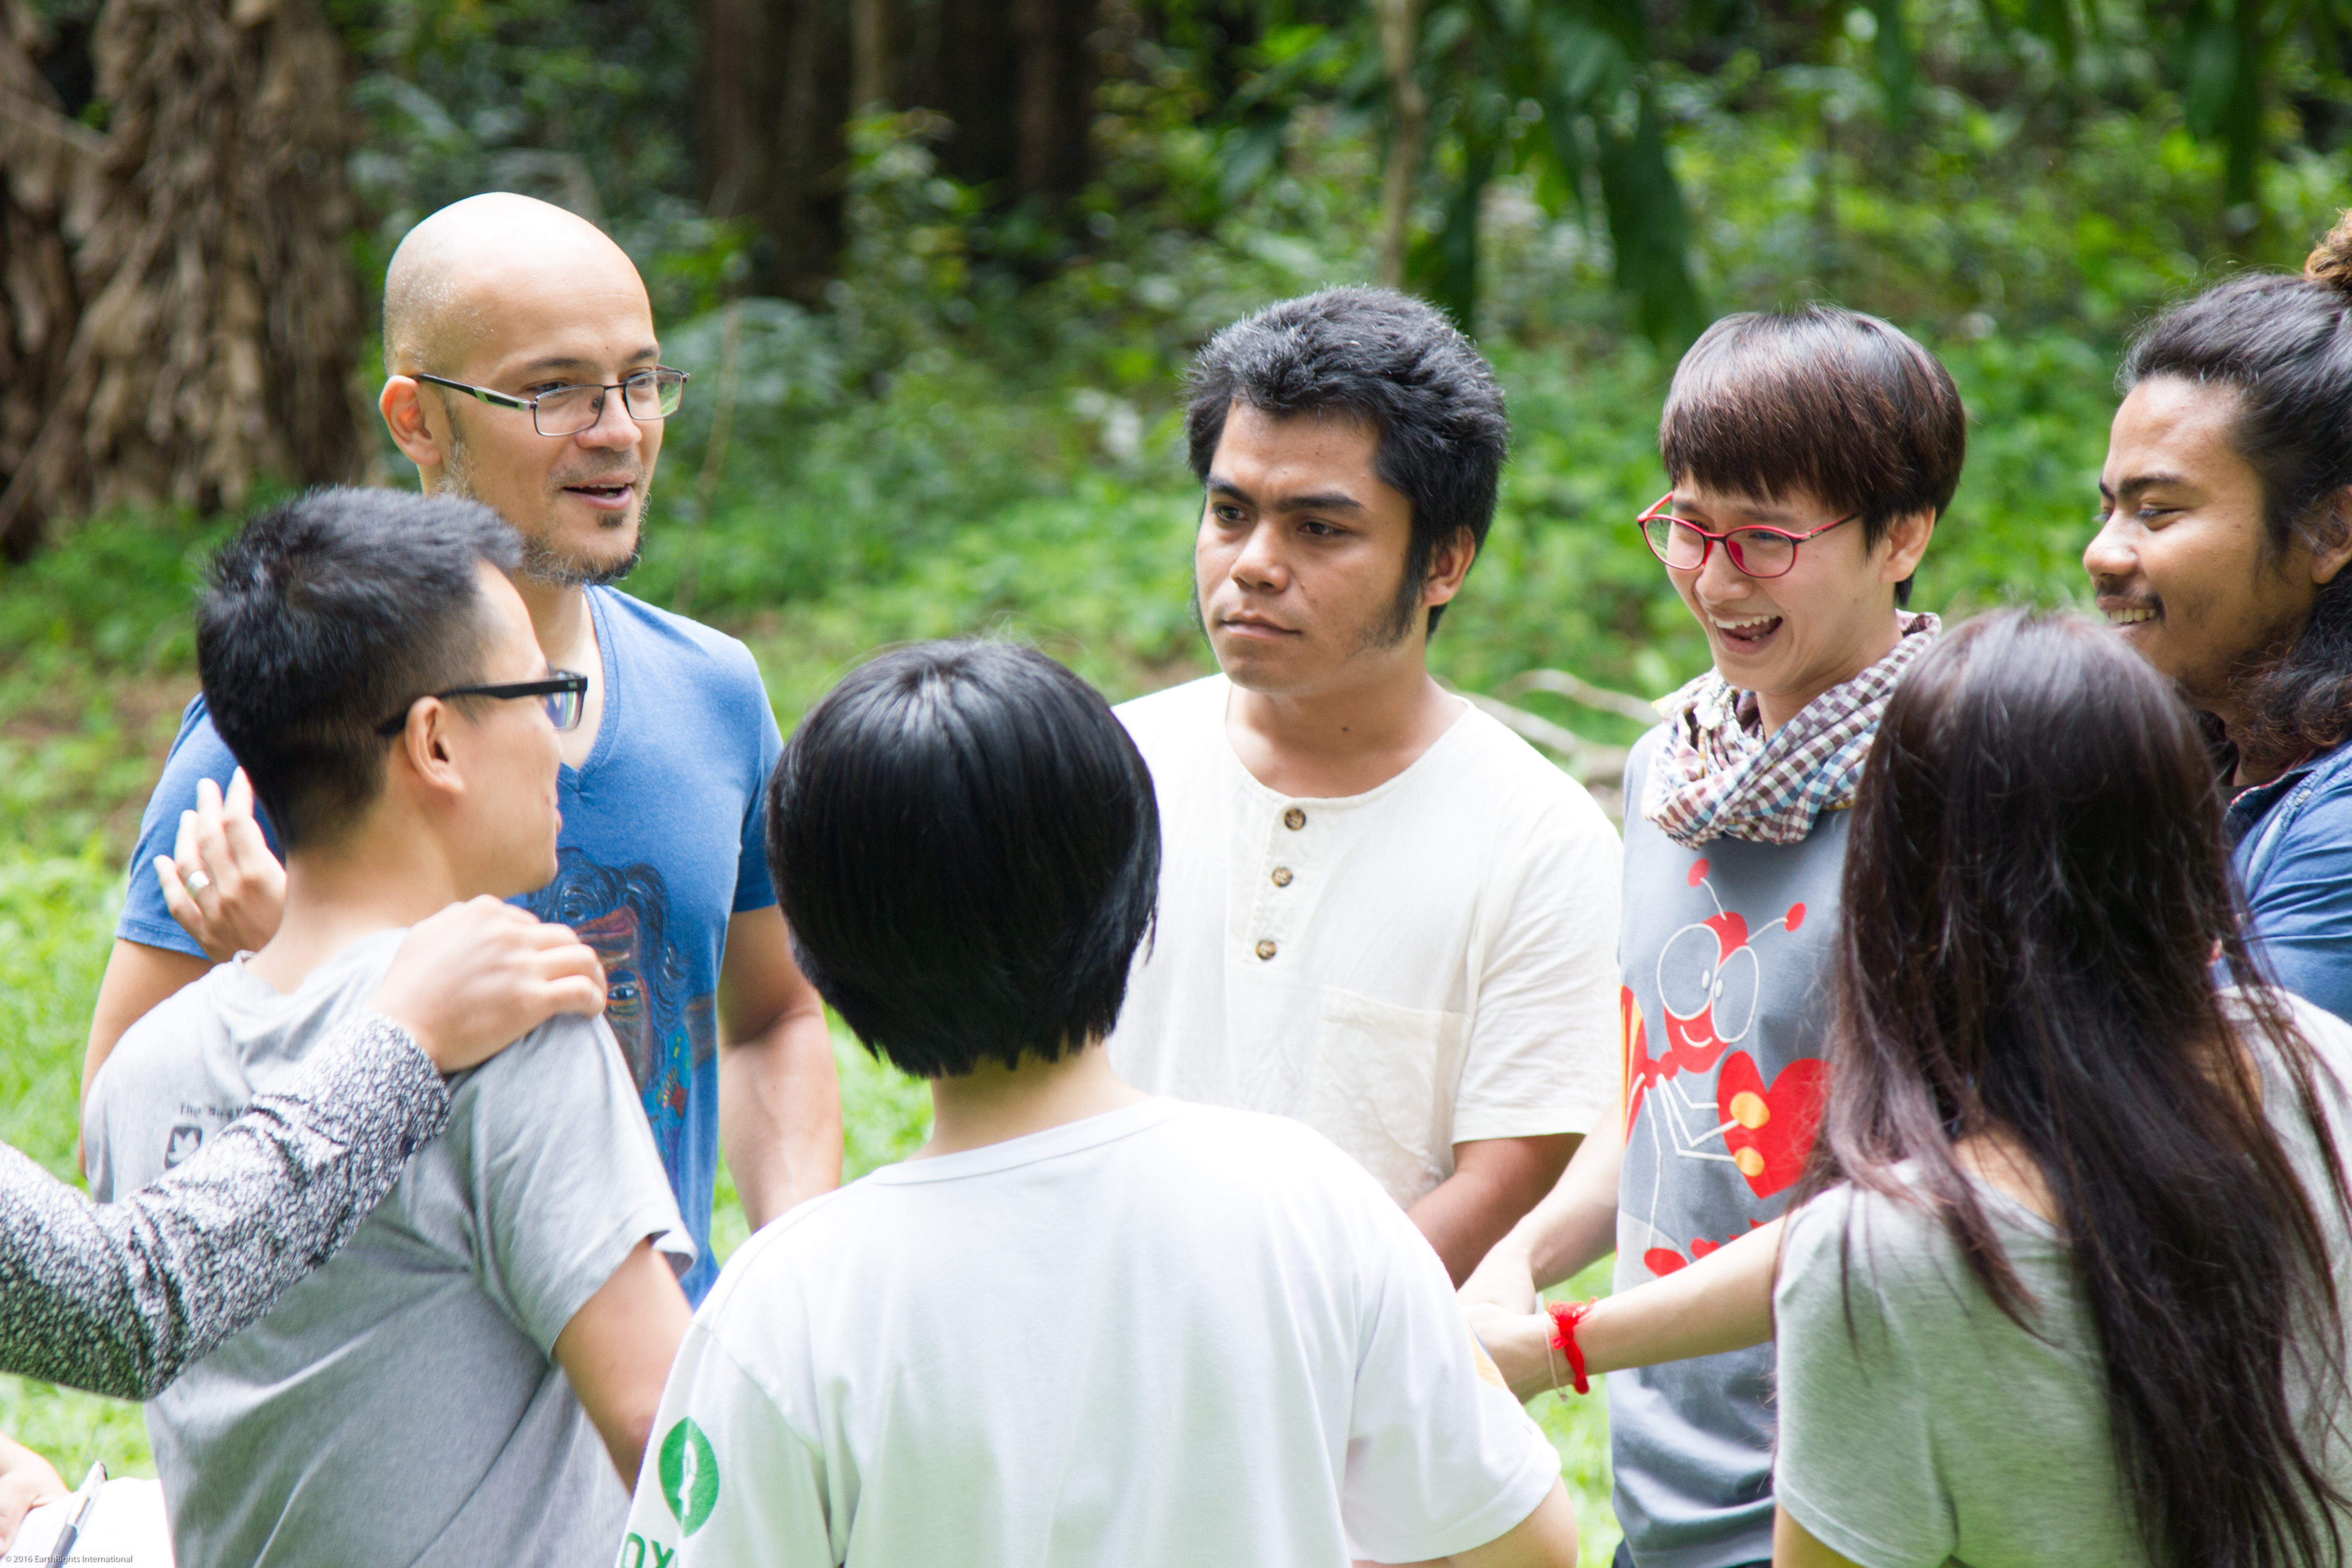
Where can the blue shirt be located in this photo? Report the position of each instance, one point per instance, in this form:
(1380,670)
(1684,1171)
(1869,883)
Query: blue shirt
(2294,861)
(662,843)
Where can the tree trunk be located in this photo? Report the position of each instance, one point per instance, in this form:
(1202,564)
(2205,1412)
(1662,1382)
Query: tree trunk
(1016,78)
(1408,131)
(873,67)
(48,169)
(731,128)
(218,342)
(776,76)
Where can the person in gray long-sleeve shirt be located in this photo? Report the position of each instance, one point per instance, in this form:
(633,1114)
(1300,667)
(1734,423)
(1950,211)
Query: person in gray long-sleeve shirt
(118,1297)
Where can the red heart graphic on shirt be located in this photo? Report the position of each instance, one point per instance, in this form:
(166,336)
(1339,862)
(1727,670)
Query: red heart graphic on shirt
(1770,1131)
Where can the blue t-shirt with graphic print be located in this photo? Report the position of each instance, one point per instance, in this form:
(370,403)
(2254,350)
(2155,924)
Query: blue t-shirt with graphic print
(662,842)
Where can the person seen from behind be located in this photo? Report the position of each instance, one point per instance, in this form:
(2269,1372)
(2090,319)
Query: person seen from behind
(473,1375)
(1810,454)
(2225,527)
(1083,1325)
(1380,912)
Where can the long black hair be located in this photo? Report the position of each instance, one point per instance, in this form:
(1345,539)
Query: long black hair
(2035,891)
(2283,345)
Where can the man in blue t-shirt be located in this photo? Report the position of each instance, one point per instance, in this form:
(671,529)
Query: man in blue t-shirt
(525,374)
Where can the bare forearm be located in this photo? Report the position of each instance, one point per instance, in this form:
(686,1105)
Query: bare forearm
(1575,1226)
(780,1115)
(1495,1182)
(1722,1302)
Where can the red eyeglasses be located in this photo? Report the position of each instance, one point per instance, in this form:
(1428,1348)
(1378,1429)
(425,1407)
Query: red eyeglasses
(1756,551)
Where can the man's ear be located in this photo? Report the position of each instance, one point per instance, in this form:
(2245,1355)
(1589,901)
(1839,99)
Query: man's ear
(424,753)
(402,404)
(2331,539)
(1905,543)
(1449,564)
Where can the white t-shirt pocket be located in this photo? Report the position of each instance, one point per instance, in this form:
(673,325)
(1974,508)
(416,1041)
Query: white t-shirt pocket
(1382,1087)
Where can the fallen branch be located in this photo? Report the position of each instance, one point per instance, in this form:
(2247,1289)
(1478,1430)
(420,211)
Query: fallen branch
(1559,683)
(1589,760)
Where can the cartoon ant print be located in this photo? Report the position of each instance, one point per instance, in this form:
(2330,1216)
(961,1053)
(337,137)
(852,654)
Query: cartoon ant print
(1709,978)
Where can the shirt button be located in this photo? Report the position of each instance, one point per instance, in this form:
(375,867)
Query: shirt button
(1265,948)
(1282,876)
(1294,819)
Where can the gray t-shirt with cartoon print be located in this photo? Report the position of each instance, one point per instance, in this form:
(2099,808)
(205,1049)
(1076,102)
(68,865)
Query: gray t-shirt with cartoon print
(401,1404)
(1724,952)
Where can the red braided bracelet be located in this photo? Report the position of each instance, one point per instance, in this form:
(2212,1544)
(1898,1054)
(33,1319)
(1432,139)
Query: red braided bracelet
(1565,1316)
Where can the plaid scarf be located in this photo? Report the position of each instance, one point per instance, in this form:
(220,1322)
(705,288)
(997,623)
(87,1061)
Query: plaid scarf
(1719,775)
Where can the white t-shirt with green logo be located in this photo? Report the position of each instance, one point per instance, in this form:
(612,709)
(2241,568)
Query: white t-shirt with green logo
(1166,1335)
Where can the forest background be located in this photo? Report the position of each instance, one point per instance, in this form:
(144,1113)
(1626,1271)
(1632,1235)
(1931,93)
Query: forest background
(937,267)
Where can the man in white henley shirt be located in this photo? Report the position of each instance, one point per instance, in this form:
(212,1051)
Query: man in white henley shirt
(1380,912)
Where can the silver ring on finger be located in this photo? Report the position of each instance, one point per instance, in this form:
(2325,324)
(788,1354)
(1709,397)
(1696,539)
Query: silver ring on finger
(198,882)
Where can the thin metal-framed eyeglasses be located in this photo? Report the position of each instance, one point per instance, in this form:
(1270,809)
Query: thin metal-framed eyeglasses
(1756,550)
(649,396)
(564,694)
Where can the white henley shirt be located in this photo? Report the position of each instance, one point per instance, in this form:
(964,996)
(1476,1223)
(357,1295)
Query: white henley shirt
(1431,962)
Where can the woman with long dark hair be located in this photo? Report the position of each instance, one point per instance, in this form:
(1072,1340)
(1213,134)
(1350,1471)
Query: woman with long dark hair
(2072,1288)
(2066,1282)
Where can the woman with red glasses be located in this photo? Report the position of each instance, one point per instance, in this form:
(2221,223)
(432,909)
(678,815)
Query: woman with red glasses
(1811,452)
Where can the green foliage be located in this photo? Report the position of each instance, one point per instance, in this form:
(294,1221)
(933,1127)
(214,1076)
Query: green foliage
(95,651)
(56,919)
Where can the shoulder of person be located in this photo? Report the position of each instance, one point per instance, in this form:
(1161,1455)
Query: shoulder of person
(164,1035)
(1277,1163)
(1638,758)
(1176,715)
(1516,785)
(2328,1036)
(578,1050)
(1904,1263)
(2323,822)
(729,659)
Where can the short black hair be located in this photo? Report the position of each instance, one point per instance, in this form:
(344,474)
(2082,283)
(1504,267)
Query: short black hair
(323,616)
(1392,362)
(967,849)
(1824,399)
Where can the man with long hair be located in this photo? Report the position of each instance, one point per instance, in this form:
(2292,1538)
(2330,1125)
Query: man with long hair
(2226,526)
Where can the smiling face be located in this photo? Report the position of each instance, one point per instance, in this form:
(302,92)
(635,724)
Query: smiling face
(504,826)
(2181,562)
(1300,560)
(1791,638)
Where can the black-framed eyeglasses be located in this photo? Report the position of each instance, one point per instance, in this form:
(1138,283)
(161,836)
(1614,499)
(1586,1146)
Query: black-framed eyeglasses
(649,396)
(564,693)
(1756,550)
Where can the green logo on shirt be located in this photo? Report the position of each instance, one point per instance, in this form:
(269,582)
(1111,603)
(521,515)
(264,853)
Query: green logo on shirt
(689,1475)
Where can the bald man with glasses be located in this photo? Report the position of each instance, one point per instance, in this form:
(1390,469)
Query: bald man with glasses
(524,372)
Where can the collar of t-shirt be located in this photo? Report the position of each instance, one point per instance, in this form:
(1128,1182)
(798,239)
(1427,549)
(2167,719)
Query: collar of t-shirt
(1069,1138)
(1271,796)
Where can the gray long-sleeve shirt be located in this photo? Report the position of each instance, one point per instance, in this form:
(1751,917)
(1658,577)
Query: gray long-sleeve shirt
(117,1298)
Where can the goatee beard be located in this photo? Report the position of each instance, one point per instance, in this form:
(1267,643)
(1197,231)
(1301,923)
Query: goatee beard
(541,563)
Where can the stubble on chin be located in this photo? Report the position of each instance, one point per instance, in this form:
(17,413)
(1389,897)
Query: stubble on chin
(545,561)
